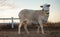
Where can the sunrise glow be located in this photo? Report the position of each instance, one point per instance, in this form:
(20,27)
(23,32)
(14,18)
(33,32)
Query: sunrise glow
(11,8)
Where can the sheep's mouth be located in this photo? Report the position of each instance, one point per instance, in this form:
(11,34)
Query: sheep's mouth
(47,13)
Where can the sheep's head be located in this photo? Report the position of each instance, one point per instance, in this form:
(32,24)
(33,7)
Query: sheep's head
(45,6)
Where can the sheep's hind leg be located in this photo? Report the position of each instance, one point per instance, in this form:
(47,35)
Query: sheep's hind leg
(19,27)
(25,27)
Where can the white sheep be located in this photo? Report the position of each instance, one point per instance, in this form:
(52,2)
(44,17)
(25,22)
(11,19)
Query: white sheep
(27,17)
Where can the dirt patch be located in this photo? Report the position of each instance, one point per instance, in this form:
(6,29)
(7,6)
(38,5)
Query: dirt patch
(7,31)
(32,34)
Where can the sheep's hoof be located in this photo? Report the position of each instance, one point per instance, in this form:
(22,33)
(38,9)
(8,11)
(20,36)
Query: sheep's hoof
(18,32)
(28,33)
(37,32)
(43,33)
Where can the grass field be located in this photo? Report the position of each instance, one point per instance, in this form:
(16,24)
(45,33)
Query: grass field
(50,31)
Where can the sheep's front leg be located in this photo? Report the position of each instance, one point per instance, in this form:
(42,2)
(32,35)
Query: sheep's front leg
(38,29)
(41,25)
(42,28)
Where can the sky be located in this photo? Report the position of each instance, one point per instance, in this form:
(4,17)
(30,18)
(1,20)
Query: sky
(11,8)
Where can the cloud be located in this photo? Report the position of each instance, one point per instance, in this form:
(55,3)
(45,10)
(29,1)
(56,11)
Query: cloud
(6,5)
(2,0)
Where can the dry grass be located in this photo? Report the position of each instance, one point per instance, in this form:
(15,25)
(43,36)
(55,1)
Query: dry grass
(51,30)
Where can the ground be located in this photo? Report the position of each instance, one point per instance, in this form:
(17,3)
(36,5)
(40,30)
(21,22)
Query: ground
(7,31)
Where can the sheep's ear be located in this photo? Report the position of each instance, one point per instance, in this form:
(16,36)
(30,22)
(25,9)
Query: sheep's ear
(41,6)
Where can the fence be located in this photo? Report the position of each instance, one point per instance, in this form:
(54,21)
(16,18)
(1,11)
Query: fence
(12,20)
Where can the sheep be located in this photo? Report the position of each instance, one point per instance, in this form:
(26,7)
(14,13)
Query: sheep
(27,17)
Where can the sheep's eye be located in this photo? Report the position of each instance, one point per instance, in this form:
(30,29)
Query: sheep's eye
(48,5)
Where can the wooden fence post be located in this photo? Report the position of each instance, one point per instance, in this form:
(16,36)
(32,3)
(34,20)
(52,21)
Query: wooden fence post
(12,23)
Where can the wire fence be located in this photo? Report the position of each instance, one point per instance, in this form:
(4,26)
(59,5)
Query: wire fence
(11,21)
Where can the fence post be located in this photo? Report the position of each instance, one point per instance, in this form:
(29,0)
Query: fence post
(12,23)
